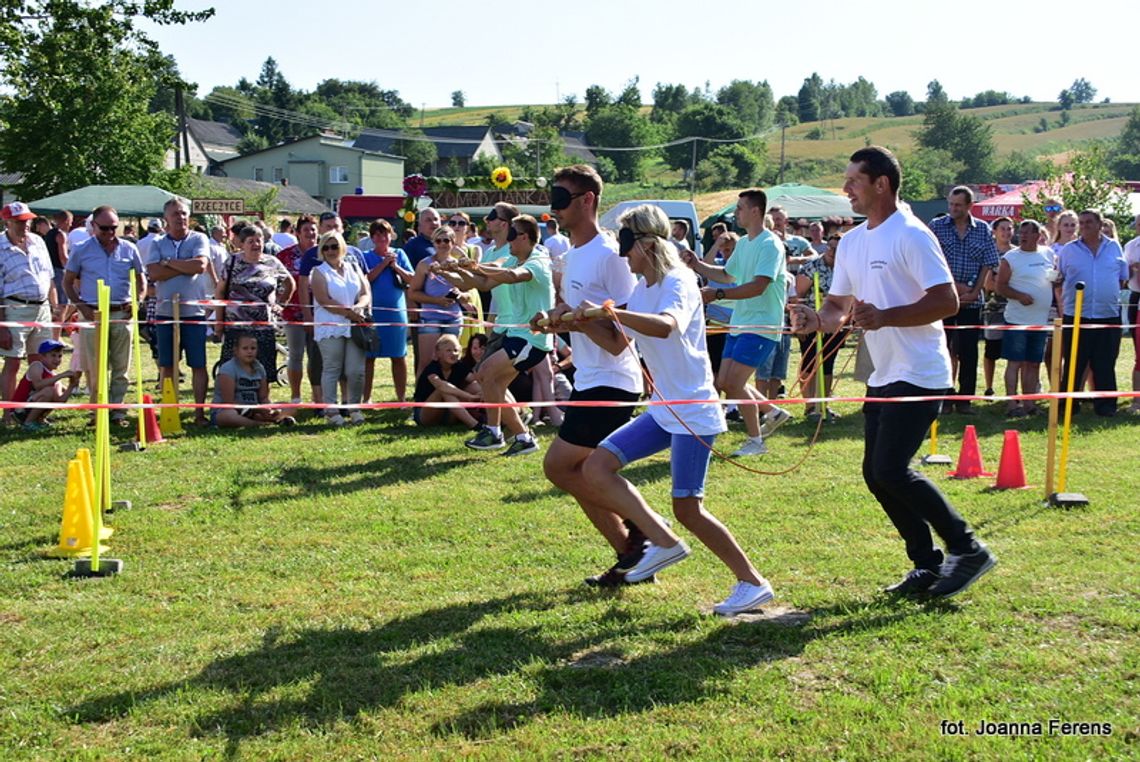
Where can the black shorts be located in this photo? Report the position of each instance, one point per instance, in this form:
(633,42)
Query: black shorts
(587,426)
(523,354)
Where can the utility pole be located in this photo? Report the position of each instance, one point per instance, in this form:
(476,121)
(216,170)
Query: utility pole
(693,172)
(180,107)
(422,106)
(783,132)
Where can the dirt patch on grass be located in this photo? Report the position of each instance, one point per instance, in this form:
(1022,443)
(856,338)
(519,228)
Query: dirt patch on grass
(596,660)
(781,615)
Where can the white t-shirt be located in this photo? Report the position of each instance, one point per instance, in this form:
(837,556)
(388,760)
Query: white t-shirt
(284,240)
(1027,275)
(680,361)
(594,272)
(893,265)
(77,236)
(1131,257)
(144,244)
(557,245)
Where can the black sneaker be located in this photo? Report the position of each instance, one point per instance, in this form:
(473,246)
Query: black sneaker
(521,447)
(916,582)
(634,549)
(959,572)
(486,440)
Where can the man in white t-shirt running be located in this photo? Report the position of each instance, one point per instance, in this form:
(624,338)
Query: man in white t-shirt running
(891,275)
(595,273)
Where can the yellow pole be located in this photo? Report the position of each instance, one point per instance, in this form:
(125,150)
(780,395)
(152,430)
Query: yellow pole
(102,421)
(818,346)
(138,360)
(1071,386)
(176,332)
(934,437)
(1054,408)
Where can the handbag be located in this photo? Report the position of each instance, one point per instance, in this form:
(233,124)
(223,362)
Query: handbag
(365,337)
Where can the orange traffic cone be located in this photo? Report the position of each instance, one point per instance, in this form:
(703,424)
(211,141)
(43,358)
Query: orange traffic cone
(77,530)
(1011,471)
(970,458)
(152,429)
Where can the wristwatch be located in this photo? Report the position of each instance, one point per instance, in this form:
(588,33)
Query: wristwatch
(719,293)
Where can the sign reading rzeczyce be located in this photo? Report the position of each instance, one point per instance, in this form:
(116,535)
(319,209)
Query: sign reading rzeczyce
(219,206)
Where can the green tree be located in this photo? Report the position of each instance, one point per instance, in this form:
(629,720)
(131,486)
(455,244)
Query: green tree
(927,173)
(787,111)
(597,98)
(1018,167)
(668,102)
(810,97)
(631,94)
(705,120)
(1087,182)
(729,166)
(966,138)
(1065,100)
(751,101)
(78,78)
(935,94)
(1124,155)
(900,103)
(458,99)
(418,154)
(621,125)
(1082,91)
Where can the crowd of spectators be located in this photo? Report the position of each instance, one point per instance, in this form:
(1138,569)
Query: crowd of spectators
(446,289)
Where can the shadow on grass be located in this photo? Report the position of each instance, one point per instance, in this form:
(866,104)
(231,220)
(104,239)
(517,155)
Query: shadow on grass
(319,677)
(304,480)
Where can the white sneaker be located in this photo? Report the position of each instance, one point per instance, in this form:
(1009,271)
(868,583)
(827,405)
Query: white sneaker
(745,596)
(775,418)
(751,447)
(655,559)
(356,418)
(336,421)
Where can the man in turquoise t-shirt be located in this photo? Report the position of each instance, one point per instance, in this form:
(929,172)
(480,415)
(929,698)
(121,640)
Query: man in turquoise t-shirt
(524,286)
(758,266)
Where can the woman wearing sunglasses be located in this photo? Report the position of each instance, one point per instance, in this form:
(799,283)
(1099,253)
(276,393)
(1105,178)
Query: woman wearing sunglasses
(441,303)
(341,297)
(665,315)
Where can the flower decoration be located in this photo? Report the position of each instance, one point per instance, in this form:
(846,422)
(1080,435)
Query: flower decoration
(546,216)
(460,182)
(540,182)
(501,178)
(415,185)
(409,217)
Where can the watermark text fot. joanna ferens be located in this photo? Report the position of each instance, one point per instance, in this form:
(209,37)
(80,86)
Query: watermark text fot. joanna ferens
(1050,727)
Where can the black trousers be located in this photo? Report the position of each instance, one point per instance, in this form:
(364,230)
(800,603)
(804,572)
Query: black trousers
(893,432)
(963,344)
(1097,348)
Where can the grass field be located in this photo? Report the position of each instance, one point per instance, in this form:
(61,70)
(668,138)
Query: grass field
(383,593)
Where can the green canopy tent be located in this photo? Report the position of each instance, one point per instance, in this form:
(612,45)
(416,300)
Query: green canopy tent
(128,200)
(804,201)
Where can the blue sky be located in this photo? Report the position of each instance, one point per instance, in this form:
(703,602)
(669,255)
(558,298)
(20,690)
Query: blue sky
(498,56)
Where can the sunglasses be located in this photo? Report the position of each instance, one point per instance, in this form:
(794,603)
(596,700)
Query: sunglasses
(457,223)
(561,198)
(331,247)
(512,234)
(494,215)
(1053,208)
(440,241)
(108,228)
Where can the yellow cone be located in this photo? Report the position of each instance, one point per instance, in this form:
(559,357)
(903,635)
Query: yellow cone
(76,532)
(168,419)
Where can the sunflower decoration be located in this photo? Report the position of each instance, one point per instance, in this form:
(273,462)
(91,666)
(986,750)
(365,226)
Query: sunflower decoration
(501,178)
(409,217)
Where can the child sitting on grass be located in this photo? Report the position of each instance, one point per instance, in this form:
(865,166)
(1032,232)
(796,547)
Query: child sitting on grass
(42,384)
(447,378)
(242,381)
